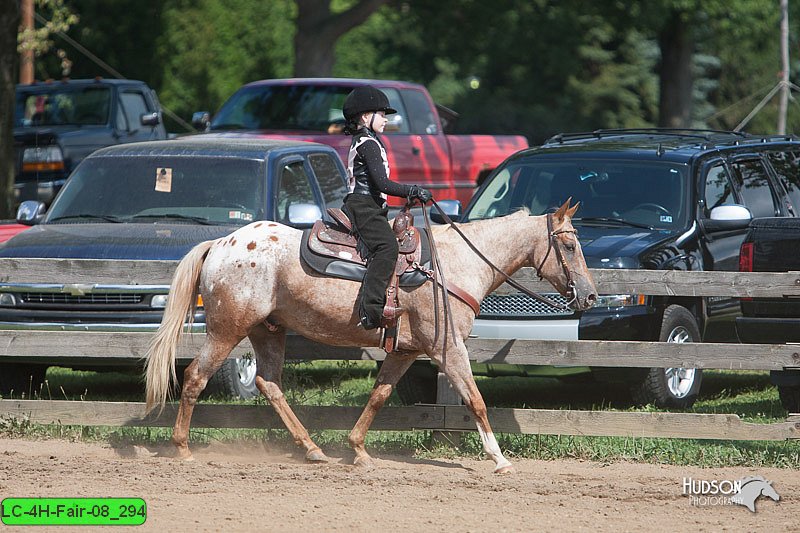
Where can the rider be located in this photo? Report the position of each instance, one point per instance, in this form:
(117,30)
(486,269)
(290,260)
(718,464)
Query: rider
(365,110)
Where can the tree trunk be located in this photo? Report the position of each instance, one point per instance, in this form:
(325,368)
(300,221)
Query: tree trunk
(318,30)
(677,46)
(9,63)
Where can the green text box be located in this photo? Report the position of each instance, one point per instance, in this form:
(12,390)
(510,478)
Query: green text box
(73,511)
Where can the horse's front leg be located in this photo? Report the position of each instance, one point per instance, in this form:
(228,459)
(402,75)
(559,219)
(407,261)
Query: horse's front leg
(270,348)
(392,369)
(456,368)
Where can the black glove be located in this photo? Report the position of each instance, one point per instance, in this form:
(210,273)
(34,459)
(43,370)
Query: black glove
(424,195)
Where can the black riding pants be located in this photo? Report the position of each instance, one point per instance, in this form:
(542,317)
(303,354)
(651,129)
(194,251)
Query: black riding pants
(371,223)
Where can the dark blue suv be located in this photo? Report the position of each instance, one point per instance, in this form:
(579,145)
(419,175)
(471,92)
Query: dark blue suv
(650,199)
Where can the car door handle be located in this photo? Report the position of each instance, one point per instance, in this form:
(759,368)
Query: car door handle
(415,150)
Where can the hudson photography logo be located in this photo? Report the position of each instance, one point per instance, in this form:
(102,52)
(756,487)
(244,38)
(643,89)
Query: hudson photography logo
(745,491)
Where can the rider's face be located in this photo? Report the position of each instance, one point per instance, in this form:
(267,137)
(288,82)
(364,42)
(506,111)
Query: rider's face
(377,120)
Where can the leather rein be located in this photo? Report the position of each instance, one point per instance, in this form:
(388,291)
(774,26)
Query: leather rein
(436,274)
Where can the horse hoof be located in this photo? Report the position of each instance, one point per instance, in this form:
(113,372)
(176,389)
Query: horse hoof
(364,462)
(505,469)
(316,456)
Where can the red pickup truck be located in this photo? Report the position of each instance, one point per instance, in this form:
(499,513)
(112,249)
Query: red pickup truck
(419,150)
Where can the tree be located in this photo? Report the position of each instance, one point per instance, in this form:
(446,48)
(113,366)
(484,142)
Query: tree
(318,29)
(9,66)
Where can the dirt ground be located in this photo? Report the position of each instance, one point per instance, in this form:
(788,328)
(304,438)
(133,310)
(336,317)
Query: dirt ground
(234,488)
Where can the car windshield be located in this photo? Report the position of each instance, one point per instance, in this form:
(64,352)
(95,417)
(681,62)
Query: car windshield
(611,192)
(177,189)
(62,105)
(290,107)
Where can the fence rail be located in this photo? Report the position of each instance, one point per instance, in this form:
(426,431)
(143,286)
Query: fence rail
(110,347)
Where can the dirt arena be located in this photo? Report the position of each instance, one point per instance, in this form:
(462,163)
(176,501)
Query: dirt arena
(231,488)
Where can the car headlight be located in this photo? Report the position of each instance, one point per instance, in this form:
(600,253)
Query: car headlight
(7,300)
(619,300)
(42,159)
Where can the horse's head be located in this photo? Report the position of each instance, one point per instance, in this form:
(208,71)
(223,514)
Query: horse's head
(563,264)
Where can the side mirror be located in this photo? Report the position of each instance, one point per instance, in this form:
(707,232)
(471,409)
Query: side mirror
(150,119)
(452,209)
(304,215)
(728,218)
(395,123)
(201,120)
(30,212)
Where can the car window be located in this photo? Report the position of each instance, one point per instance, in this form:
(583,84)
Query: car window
(718,189)
(62,105)
(755,187)
(420,115)
(134,106)
(294,187)
(330,178)
(787,167)
(223,190)
(639,192)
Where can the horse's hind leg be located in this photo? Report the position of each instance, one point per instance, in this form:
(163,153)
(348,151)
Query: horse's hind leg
(212,355)
(456,368)
(270,347)
(392,369)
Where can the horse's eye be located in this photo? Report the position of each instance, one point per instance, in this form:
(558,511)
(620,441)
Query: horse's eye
(570,246)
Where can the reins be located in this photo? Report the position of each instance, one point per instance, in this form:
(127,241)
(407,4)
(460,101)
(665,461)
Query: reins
(551,244)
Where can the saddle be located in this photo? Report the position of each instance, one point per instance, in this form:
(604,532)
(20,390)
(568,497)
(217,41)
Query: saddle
(335,242)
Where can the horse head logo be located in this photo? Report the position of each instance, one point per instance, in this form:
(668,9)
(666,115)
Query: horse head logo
(752,488)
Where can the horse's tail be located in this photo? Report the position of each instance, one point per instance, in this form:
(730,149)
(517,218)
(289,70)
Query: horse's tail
(181,302)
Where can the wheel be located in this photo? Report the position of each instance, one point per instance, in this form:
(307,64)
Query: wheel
(418,384)
(236,378)
(672,387)
(17,379)
(790,397)
(651,207)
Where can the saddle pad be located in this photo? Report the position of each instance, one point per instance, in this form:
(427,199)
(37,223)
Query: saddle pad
(349,265)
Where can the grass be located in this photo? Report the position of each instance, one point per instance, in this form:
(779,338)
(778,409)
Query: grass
(748,394)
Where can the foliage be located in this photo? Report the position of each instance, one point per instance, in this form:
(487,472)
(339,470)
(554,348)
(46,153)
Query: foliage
(58,18)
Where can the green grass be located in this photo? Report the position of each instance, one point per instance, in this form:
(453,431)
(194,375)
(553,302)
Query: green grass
(745,393)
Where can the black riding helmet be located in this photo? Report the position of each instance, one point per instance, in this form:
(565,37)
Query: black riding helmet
(363,100)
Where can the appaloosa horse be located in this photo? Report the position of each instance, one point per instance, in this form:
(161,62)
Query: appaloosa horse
(254,285)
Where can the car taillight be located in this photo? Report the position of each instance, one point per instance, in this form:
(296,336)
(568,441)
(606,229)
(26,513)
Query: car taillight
(746,259)
(42,159)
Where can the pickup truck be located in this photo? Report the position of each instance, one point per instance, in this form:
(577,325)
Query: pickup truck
(58,123)
(772,245)
(155,201)
(419,150)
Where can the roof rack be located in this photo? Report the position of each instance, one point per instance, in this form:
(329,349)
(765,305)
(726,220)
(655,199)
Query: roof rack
(704,134)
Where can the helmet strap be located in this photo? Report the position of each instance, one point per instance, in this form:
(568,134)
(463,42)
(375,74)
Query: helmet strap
(372,121)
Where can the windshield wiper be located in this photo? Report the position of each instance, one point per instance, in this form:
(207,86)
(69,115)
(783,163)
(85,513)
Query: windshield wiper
(200,220)
(615,221)
(228,127)
(107,218)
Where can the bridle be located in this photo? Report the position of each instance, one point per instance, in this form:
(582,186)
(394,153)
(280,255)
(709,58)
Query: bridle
(552,244)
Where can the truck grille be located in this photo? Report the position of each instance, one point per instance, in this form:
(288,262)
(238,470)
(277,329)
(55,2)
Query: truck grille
(520,305)
(52,298)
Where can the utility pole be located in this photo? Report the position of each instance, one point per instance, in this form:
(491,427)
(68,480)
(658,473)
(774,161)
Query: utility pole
(784,98)
(26,59)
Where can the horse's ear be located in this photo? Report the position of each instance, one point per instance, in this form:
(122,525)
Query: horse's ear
(559,214)
(571,210)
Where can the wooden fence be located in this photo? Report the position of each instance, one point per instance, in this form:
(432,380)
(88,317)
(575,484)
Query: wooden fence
(78,275)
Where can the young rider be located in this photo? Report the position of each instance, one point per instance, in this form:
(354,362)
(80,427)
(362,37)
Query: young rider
(365,110)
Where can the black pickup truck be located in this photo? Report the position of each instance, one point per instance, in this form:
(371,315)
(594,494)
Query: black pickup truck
(773,245)
(58,123)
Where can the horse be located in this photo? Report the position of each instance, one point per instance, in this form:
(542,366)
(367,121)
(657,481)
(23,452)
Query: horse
(253,284)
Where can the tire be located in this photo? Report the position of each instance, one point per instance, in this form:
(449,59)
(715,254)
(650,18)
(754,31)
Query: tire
(418,384)
(672,387)
(236,378)
(790,397)
(17,379)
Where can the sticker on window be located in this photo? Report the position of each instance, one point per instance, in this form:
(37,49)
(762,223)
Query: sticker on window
(666,218)
(240,215)
(164,179)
